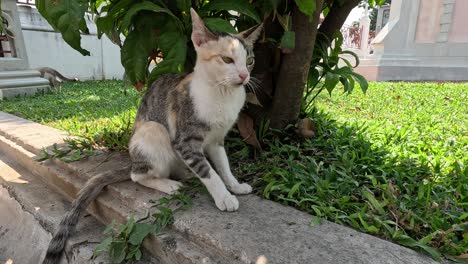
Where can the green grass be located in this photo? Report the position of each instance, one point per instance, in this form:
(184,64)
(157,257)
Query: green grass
(100,112)
(392,163)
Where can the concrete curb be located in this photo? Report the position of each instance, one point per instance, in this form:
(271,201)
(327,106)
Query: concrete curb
(202,234)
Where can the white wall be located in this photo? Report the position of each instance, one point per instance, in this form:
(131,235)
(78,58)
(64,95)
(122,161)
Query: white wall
(46,48)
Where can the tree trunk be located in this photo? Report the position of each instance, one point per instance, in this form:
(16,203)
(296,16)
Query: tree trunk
(336,17)
(294,69)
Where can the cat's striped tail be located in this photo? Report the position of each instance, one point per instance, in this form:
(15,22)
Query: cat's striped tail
(85,196)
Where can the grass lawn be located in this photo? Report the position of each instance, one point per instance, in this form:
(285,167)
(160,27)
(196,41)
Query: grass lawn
(392,163)
(101,112)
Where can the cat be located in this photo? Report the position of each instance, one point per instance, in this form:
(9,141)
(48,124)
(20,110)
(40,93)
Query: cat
(182,118)
(54,77)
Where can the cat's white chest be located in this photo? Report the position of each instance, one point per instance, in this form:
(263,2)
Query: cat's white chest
(220,111)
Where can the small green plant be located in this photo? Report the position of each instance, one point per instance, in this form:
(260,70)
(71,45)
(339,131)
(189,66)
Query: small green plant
(73,150)
(125,240)
(326,72)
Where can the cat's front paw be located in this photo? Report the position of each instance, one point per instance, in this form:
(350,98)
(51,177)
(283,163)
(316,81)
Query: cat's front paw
(228,203)
(241,188)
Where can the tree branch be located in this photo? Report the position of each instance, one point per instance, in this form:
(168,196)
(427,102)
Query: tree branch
(336,18)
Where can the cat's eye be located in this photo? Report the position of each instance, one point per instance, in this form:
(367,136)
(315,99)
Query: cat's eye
(250,61)
(227,59)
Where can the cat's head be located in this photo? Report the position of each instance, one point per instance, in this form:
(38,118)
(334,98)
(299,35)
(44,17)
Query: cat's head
(225,59)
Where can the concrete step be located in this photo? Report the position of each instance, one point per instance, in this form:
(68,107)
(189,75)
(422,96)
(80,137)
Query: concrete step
(22,91)
(29,212)
(19,74)
(21,83)
(260,230)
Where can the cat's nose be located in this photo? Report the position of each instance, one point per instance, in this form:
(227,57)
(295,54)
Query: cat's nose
(243,76)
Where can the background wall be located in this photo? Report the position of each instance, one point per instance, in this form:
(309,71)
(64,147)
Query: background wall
(46,48)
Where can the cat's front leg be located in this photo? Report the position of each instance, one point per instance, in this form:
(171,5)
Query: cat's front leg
(218,156)
(191,153)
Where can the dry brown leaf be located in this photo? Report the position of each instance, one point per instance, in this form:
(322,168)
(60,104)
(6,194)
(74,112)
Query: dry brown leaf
(305,128)
(139,85)
(463,256)
(245,125)
(251,98)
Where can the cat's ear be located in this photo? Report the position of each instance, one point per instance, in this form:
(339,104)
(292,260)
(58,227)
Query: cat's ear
(251,35)
(200,33)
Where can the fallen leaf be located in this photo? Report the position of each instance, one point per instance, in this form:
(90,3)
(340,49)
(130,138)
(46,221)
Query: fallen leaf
(251,98)
(139,85)
(245,125)
(463,256)
(305,128)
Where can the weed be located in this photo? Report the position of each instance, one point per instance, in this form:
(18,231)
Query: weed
(125,240)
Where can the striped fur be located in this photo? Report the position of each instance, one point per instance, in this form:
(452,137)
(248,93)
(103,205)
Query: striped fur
(68,223)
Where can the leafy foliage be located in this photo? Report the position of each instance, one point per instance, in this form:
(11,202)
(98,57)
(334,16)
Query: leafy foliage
(67,17)
(394,166)
(126,239)
(161,28)
(73,150)
(330,68)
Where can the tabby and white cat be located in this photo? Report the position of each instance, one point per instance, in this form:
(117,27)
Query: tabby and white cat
(181,119)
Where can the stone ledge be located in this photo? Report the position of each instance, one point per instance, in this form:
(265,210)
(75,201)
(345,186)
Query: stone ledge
(30,209)
(202,234)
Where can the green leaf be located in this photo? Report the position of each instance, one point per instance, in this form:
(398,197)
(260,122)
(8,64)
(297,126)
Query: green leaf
(294,189)
(129,226)
(117,252)
(352,83)
(134,56)
(138,254)
(109,228)
(410,242)
(345,82)
(373,201)
(183,5)
(331,80)
(356,57)
(140,232)
(307,7)
(220,25)
(67,17)
(104,244)
(241,6)
(313,78)
(288,41)
(174,59)
(361,80)
(146,5)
